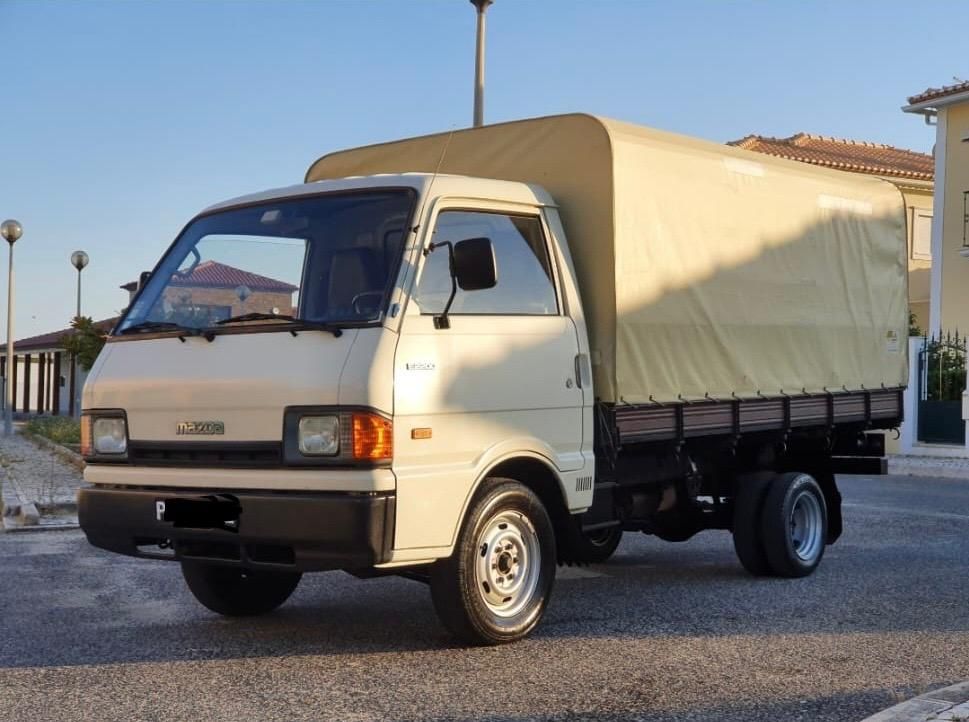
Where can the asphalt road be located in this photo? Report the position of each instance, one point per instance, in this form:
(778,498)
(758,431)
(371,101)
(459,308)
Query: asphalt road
(664,631)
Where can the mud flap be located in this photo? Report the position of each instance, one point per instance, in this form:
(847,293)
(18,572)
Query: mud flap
(832,500)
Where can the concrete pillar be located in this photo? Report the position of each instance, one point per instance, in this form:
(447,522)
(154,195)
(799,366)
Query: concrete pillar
(910,402)
(56,382)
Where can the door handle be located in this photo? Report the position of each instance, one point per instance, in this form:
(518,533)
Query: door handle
(583,373)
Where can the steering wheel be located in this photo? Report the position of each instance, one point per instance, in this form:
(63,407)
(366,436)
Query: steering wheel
(360,297)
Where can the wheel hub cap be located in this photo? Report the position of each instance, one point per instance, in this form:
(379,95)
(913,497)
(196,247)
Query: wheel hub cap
(508,563)
(806,526)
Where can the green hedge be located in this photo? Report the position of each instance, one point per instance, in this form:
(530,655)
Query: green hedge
(59,429)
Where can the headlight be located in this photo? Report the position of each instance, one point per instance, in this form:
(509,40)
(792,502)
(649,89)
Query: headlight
(104,434)
(110,436)
(319,435)
(333,436)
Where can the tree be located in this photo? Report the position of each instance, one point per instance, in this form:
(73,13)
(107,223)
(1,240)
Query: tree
(86,342)
(913,326)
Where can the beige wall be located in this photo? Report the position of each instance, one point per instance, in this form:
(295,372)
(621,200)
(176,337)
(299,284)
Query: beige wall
(919,271)
(955,269)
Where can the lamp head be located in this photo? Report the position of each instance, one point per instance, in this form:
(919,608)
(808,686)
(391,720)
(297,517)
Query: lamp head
(481,5)
(11,230)
(79,260)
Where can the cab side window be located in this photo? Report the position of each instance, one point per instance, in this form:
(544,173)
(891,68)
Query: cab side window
(524,285)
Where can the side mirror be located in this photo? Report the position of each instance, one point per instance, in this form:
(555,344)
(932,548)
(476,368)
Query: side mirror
(474,264)
(143,279)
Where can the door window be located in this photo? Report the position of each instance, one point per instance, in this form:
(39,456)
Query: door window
(524,275)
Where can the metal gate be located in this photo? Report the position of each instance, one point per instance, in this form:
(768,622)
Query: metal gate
(942,379)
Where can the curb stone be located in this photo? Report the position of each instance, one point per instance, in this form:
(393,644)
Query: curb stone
(27,517)
(68,455)
(949,704)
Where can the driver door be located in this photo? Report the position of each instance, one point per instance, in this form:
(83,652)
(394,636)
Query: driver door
(500,379)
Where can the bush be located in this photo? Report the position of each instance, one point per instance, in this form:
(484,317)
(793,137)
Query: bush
(86,342)
(59,429)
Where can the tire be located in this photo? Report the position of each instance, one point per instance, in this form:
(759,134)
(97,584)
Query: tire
(235,592)
(748,543)
(495,586)
(592,547)
(676,526)
(794,525)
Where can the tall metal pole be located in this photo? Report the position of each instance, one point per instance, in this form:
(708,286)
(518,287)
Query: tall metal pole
(79,259)
(11,231)
(75,391)
(11,358)
(482,6)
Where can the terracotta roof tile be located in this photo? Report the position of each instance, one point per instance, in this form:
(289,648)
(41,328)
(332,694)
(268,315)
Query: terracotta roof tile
(935,93)
(212,274)
(850,155)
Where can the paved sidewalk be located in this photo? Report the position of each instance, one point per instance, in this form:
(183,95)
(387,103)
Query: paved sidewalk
(949,704)
(949,467)
(39,487)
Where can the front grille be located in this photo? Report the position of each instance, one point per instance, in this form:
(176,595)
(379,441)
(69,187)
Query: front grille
(241,455)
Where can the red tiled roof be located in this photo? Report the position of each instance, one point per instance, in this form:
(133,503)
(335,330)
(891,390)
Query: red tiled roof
(209,274)
(212,274)
(52,340)
(936,93)
(850,155)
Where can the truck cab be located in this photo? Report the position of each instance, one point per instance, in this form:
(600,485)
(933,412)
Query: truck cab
(323,377)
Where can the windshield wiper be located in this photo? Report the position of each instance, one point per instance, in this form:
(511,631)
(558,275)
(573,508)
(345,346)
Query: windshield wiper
(183,331)
(314,325)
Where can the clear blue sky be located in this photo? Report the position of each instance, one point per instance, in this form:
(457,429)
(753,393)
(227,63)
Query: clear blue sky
(123,119)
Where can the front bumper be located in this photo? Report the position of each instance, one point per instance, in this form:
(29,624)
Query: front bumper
(296,531)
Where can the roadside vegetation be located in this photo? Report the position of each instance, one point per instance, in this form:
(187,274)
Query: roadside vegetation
(59,429)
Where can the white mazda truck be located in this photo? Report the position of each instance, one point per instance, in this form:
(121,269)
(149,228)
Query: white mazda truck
(406,366)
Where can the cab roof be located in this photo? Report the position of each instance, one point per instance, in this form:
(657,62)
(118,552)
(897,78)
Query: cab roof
(443,184)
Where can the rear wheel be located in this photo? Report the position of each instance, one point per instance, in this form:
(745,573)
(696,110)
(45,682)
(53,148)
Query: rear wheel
(495,586)
(751,490)
(237,592)
(794,525)
(588,547)
(601,543)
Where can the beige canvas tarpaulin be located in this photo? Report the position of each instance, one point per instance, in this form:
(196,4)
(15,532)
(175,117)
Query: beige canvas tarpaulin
(705,270)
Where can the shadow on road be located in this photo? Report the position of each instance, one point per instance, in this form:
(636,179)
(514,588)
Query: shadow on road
(75,605)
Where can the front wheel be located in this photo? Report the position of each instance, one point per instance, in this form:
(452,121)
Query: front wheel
(495,586)
(237,592)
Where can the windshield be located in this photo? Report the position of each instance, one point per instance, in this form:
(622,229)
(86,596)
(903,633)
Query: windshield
(326,259)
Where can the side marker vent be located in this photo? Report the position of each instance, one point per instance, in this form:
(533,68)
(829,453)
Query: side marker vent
(583,483)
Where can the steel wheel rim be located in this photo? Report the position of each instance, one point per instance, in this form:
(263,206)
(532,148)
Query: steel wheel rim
(806,526)
(508,563)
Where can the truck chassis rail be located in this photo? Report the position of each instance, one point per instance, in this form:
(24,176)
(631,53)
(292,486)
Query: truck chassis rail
(867,409)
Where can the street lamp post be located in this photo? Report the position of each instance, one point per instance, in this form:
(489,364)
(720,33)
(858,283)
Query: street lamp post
(79,259)
(11,231)
(481,6)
